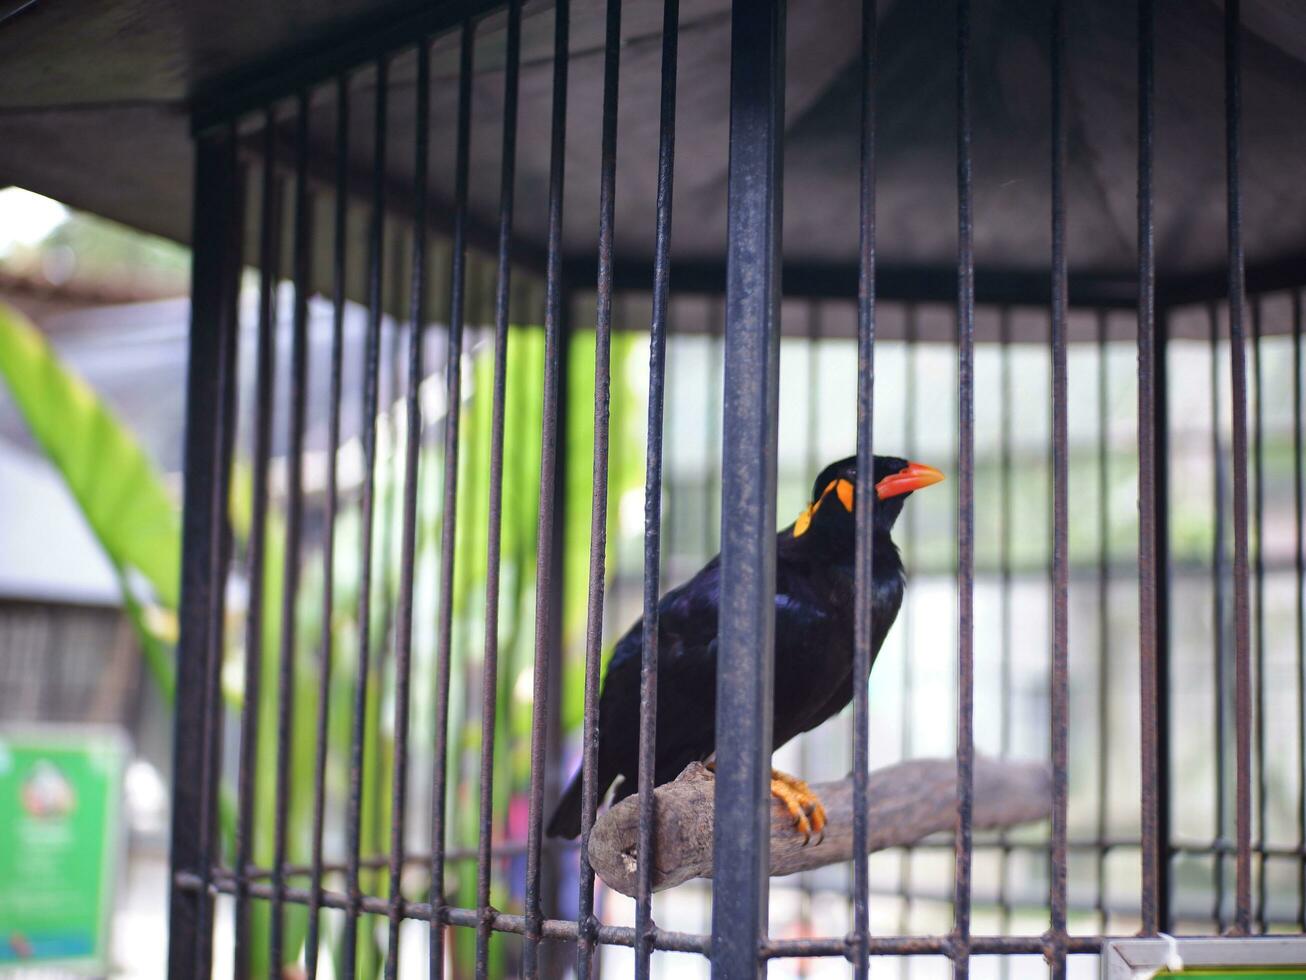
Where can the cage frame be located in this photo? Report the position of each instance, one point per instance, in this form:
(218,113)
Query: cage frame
(749,279)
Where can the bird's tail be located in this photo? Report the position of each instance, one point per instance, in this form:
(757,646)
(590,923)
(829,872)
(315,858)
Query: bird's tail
(566,815)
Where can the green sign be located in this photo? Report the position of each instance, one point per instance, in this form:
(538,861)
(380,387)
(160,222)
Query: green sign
(60,839)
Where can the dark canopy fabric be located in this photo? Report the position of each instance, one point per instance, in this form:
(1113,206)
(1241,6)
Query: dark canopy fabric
(94,111)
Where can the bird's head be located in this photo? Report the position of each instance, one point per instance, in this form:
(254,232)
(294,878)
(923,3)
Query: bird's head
(830,510)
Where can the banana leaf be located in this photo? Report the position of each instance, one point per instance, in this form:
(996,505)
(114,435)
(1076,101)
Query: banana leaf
(109,475)
(138,524)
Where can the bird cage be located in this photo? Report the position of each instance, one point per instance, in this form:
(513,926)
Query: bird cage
(604,287)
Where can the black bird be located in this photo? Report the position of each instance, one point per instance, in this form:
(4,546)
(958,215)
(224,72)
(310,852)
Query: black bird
(813,643)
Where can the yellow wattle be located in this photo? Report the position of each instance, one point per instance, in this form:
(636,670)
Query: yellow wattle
(845,491)
(803,522)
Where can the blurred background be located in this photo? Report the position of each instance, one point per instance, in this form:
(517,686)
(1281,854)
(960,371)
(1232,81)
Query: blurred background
(89,539)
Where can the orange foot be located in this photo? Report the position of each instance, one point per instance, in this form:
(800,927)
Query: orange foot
(803,805)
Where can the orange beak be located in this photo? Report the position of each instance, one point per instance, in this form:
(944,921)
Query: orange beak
(913,476)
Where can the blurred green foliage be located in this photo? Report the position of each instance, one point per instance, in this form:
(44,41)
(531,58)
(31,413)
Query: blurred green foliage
(137,522)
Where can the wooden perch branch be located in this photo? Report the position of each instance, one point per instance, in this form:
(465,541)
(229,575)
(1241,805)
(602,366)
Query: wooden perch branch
(907,802)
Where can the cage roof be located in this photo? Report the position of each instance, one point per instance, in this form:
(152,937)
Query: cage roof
(96,107)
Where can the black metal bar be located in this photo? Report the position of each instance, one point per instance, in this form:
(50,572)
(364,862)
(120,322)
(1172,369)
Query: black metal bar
(991,842)
(564,930)
(586,922)
(815,334)
(994,285)
(908,537)
(1006,512)
(1241,576)
(247,782)
(449,507)
(209,380)
(551,963)
(1219,621)
(365,40)
(481,236)
(408,534)
(490,663)
(1258,562)
(1273,275)
(339,270)
(1103,609)
(1006,524)
(838,280)
(648,672)
(228,408)
(864,498)
(517,473)
(371,380)
(1147,466)
(748,466)
(961,950)
(546,538)
(904,946)
(301,270)
(1060,682)
(712,462)
(228,372)
(1299,557)
(667,533)
(1160,428)
(813,463)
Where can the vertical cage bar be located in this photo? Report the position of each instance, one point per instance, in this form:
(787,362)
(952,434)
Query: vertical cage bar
(864,498)
(712,459)
(551,961)
(1160,424)
(1060,720)
(210,404)
(965,506)
(1241,576)
(741,846)
(1103,614)
(229,372)
(812,412)
(301,270)
(449,505)
(907,615)
(812,453)
(490,664)
(371,398)
(1299,561)
(1147,466)
(648,671)
(671,513)
(408,541)
(1258,564)
(339,266)
(265,374)
(1220,626)
(547,538)
(1006,524)
(587,923)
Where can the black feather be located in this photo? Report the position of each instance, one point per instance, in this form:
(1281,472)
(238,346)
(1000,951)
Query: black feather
(813,647)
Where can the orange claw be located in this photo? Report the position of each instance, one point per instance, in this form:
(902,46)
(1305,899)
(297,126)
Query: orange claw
(803,805)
